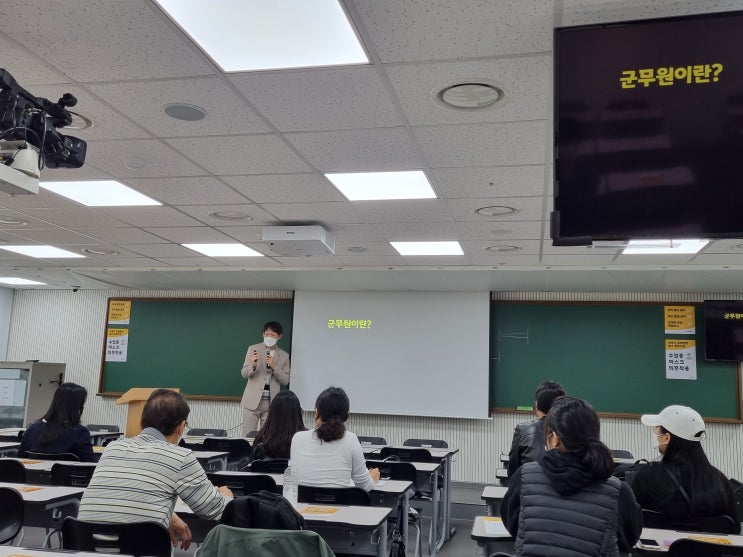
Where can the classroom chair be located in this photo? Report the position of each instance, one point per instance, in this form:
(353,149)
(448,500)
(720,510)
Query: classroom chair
(12,471)
(72,475)
(738,494)
(110,428)
(208,432)
(229,541)
(333,496)
(11,518)
(721,524)
(619,453)
(239,450)
(365,440)
(268,466)
(685,547)
(412,454)
(426,443)
(137,538)
(69,457)
(243,484)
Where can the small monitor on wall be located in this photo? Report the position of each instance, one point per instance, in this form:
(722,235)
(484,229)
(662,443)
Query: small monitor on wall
(723,325)
(649,130)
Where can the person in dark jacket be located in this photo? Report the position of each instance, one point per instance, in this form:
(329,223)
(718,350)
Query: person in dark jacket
(59,431)
(528,437)
(683,483)
(274,440)
(567,504)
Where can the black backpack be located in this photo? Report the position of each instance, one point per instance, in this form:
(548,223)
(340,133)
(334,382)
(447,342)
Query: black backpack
(264,509)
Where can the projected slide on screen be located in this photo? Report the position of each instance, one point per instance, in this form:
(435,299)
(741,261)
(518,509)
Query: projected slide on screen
(407,353)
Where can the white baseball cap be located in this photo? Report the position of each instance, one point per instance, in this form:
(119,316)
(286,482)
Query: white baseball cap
(681,421)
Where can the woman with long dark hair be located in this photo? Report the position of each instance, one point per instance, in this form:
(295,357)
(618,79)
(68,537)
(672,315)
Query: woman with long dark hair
(59,431)
(683,483)
(567,503)
(330,455)
(274,439)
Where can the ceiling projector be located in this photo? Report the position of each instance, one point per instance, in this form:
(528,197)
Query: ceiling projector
(294,241)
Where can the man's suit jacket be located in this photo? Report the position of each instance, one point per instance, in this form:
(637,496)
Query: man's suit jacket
(256,379)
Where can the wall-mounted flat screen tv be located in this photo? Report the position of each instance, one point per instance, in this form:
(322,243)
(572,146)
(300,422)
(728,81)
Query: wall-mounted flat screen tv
(723,326)
(649,130)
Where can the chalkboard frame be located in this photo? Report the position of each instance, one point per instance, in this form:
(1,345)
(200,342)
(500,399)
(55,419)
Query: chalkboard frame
(738,419)
(252,337)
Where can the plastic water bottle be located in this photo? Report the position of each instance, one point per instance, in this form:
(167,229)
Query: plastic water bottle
(291,484)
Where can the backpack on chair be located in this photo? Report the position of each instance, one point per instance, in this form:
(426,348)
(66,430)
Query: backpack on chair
(265,509)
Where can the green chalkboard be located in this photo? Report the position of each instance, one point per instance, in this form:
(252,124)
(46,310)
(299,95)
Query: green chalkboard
(612,355)
(196,345)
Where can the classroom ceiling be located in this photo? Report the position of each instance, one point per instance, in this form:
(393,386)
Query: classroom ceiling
(269,137)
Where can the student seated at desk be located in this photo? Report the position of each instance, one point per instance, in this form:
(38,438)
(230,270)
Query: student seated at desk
(683,483)
(59,431)
(568,503)
(330,456)
(274,440)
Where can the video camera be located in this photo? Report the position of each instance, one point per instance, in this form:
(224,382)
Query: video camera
(26,119)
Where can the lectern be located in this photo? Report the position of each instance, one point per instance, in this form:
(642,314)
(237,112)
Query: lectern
(136,399)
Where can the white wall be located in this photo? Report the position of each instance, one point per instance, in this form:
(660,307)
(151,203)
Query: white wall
(62,326)
(6,307)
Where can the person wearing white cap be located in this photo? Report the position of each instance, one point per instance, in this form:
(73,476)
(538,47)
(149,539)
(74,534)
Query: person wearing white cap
(683,483)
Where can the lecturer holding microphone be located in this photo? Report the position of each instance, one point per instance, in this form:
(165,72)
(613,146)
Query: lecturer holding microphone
(266,368)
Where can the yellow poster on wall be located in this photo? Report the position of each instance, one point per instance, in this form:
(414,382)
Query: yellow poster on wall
(119,312)
(680,320)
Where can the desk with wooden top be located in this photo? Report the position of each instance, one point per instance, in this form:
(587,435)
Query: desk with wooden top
(664,538)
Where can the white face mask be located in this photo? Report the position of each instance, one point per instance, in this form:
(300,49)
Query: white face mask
(655,443)
(269,341)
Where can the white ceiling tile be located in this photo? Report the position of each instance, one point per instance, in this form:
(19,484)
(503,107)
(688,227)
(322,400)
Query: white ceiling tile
(364,260)
(54,236)
(257,214)
(372,249)
(190,262)
(317,213)
(147,158)
(440,29)
(24,215)
(279,188)
(196,190)
(505,260)
(724,246)
(107,122)
(478,247)
(243,154)
(418,231)
(26,68)
(102,40)
(121,236)
(144,102)
(522,79)
(354,232)
(130,262)
(402,210)
(160,250)
(436,260)
(75,217)
(314,261)
(657,259)
(463,209)
(718,259)
(191,235)
(583,12)
(150,216)
(490,181)
(242,233)
(249,262)
(500,230)
(506,143)
(585,260)
(320,99)
(358,150)
(550,249)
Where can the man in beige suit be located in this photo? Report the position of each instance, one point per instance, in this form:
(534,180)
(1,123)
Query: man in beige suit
(266,368)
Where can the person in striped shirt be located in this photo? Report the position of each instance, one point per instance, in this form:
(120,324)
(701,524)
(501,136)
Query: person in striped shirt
(139,478)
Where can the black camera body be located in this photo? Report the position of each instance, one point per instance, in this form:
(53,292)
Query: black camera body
(35,120)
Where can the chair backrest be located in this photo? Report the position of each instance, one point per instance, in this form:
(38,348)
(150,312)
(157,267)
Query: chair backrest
(372,440)
(103,427)
(685,547)
(229,541)
(135,538)
(619,453)
(269,466)
(404,471)
(264,509)
(237,447)
(11,518)
(12,471)
(251,434)
(68,457)
(243,484)
(208,432)
(406,454)
(73,475)
(333,495)
(426,443)
(721,524)
(738,494)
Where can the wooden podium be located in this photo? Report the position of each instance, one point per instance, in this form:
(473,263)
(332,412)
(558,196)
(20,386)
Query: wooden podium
(136,399)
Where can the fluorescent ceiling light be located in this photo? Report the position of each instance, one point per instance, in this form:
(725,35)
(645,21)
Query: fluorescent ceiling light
(224,250)
(428,248)
(654,247)
(20,281)
(42,252)
(367,186)
(100,193)
(244,36)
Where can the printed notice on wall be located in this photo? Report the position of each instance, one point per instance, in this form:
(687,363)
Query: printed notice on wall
(7,392)
(679,320)
(681,359)
(119,312)
(116,344)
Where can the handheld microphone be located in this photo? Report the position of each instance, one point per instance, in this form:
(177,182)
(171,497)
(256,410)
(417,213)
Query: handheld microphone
(268,367)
